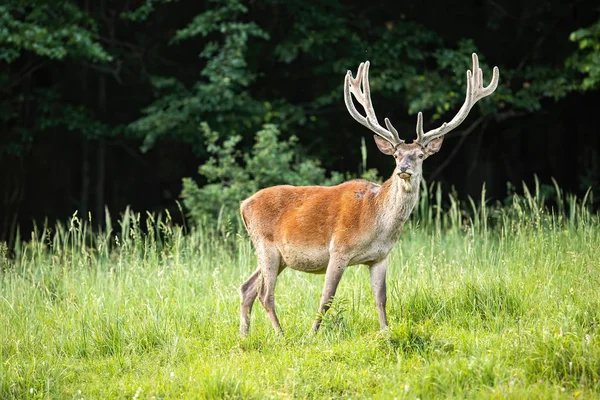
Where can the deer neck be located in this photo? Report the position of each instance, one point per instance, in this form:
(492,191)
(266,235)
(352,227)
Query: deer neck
(398,199)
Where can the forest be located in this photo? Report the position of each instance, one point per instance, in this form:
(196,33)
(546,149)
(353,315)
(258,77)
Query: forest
(149,104)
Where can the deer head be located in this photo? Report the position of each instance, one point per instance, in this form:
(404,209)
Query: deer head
(409,157)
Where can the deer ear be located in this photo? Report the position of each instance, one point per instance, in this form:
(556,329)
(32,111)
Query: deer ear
(434,146)
(384,146)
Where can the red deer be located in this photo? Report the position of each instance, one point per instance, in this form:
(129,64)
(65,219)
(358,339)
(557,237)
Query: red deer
(321,229)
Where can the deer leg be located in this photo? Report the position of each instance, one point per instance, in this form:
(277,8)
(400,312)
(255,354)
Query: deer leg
(248,293)
(333,274)
(269,265)
(378,272)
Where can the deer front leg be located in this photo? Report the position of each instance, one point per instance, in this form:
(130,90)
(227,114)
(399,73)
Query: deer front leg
(333,274)
(378,272)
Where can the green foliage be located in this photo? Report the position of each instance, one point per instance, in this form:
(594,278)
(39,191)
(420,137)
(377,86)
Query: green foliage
(316,27)
(34,34)
(436,88)
(233,175)
(56,113)
(415,67)
(143,11)
(586,60)
(222,97)
(55,30)
(53,113)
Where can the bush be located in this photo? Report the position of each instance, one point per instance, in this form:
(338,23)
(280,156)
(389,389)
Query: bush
(232,175)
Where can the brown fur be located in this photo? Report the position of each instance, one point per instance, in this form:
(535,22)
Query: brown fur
(312,215)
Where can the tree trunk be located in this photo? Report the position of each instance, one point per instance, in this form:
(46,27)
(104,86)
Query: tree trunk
(101,154)
(84,195)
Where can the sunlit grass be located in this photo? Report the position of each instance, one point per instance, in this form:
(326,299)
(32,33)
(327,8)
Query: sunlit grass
(482,304)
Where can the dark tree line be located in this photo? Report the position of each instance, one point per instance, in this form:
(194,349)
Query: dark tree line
(102,102)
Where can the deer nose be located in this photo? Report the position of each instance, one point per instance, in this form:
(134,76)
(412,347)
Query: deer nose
(404,168)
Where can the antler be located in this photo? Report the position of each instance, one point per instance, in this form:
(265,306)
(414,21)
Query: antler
(475,92)
(363,96)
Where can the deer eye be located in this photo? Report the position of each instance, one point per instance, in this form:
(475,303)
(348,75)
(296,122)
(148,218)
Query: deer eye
(421,155)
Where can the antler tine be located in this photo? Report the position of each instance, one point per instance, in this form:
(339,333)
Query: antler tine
(349,85)
(420,132)
(391,128)
(475,92)
(360,88)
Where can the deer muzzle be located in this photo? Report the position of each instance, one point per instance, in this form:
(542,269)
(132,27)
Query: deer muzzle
(404,172)
(405,175)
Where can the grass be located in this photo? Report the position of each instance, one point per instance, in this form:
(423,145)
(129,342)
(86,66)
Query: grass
(497,302)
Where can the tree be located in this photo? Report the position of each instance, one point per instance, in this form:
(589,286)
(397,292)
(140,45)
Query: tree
(34,36)
(586,59)
(221,95)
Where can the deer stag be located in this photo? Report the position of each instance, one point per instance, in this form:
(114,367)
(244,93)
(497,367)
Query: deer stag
(320,229)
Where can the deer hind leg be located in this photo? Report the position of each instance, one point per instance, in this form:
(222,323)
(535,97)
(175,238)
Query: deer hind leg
(333,275)
(248,293)
(378,272)
(269,264)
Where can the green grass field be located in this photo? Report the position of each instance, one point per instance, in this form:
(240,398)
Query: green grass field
(504,302)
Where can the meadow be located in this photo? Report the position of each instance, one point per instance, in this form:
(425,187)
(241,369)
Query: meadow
(484,301)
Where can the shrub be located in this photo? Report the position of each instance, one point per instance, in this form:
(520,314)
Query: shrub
(232,175)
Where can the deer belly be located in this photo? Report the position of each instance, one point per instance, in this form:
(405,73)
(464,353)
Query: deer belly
(371,253)
(307,259)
